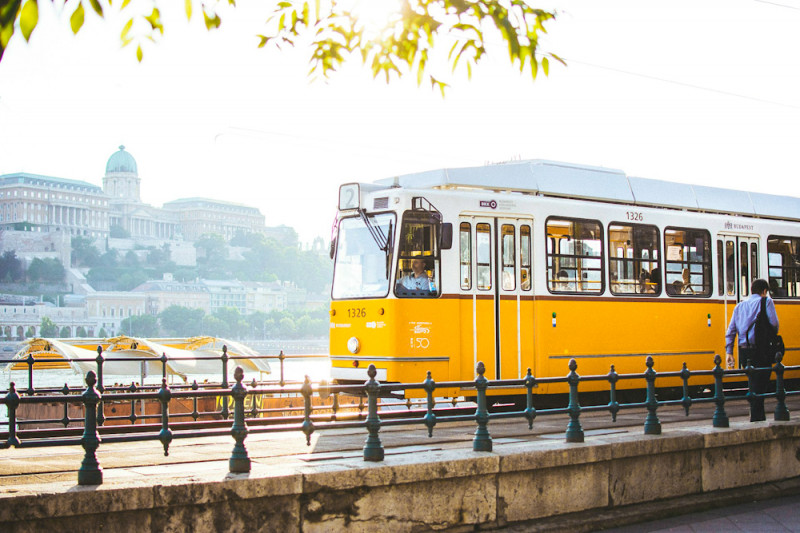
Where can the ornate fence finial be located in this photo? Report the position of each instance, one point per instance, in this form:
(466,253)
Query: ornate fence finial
(373,449)
(720,419)
(574,429)
(240,460)
(90,472)
(482,441)
(652,425)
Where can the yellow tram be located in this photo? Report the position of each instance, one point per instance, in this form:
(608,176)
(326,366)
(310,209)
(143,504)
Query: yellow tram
(529,264)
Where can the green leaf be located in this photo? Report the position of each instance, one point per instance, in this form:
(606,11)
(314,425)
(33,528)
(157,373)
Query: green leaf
(139,53)
(154,19)
(546,66)
(124,4)
(97,7)
(187,5)
(126,29)
(76,20)
(28,18)
(212,22)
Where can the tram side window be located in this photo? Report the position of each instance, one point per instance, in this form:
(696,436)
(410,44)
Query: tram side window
(509,257)
(687,262)
(730,268)
(720,267)
(525,257)
(744,274)
(784,266)
(465,245)
(574,256)
(633,258)
(483,260)
(417,257)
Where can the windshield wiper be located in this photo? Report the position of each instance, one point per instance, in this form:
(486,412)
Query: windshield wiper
(378,236)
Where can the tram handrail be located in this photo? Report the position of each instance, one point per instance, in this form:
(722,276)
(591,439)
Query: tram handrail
(240,426)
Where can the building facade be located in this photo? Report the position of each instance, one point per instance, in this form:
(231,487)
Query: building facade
(30,202)
(35,203)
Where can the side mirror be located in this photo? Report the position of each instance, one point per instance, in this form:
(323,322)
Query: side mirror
(333,247)
(446,241)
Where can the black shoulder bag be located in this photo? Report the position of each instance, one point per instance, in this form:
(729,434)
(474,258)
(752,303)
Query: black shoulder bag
(768,342)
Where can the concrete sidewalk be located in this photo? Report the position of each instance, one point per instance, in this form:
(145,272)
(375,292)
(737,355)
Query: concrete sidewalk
(617,477)
(774,515)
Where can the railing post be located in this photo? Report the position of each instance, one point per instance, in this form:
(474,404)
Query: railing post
(165,435)
(308,425)
(30,360)
(781,412)
(224,358)
(101,418)
(90,472)
(12,402)
(652,426)
(281,358)
(613,404)
(195,413)
(720,419)
(750,370)
(686,401)
(373,449)
(574,429)
(133,416)
(530,410)
(482,441)
(430,418)
(163,360)
(239,461)
(65,418)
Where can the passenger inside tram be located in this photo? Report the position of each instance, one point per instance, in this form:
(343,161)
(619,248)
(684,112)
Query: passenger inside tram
(686,286)
(564,284)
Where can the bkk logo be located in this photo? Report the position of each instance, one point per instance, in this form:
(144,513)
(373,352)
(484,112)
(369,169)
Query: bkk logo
(489,203)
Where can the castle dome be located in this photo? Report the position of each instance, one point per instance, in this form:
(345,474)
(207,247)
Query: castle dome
(121,161)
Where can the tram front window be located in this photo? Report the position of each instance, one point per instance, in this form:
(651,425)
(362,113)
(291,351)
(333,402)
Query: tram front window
(417,257)
(360,270)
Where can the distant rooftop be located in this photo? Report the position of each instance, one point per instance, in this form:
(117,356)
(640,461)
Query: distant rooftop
(207,202)
(19,178)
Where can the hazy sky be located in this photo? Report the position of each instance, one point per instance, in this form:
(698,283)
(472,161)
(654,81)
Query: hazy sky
(692,91)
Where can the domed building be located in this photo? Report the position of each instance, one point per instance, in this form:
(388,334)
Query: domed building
(129,216)
(122,177)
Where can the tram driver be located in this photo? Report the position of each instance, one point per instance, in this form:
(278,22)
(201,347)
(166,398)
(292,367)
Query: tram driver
(417,279)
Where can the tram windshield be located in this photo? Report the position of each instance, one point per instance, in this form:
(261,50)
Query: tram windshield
(360,270)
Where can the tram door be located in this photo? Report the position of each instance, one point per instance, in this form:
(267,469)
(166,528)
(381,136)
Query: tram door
(496,274)
(738,265)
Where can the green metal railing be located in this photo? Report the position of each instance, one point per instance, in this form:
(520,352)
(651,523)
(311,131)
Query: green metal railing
(90,472)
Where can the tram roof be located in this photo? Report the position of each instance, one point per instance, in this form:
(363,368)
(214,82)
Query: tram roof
(567,180)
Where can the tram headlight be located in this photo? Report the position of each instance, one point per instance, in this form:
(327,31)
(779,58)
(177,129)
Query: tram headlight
(353,344)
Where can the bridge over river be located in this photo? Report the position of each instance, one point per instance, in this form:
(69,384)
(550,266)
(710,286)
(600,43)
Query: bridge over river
(616,476)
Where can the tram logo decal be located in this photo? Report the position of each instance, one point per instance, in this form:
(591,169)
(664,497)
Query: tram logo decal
(376,325)
(502,204)
(732,225)
(422,329)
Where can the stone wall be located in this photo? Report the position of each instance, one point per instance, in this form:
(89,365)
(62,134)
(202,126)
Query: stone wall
(458,490)
(30,244)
